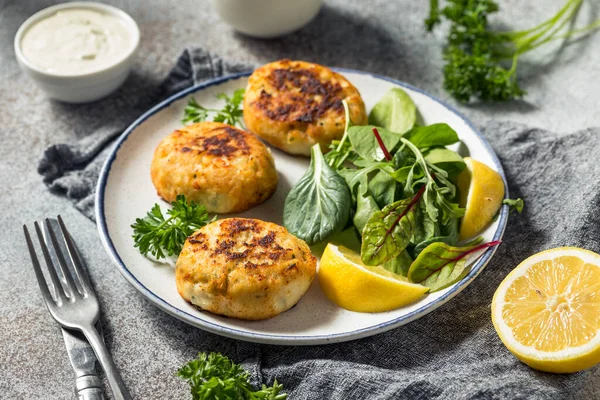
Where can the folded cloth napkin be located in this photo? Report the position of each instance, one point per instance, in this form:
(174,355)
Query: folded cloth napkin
(452,353)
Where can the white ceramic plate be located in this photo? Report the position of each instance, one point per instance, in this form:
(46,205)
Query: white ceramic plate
(125,192)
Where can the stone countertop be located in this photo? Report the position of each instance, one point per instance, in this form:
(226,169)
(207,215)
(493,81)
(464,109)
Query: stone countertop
(384,37)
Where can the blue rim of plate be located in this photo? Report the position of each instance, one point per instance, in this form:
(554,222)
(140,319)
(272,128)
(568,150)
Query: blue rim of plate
(287,339)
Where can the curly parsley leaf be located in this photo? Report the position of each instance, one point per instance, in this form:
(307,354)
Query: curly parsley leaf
(164,237)
(231,113)
(214,377)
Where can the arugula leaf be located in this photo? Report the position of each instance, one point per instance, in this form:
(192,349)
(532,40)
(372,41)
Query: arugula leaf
(215,377)
(367,146)
(159,236)
(440,265)
(515,204)
(341,150)
(388,232)
(354,176)
(395,111)
(230,113)
(432,135)
(319,204)
(437,190)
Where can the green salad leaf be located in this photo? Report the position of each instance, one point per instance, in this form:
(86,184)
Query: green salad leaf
(440,265)
(395,112)
(340,150)
(388,232)
(319,204)
(399,265)
(445,159)
(366,145)
(215,377)
(432,135)
(365,206)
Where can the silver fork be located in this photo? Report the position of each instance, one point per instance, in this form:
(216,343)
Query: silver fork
(72,308)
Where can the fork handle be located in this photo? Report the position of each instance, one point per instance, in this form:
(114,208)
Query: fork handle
(117,386)
(88,387)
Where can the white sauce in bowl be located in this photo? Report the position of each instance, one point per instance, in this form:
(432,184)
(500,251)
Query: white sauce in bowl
(76,41)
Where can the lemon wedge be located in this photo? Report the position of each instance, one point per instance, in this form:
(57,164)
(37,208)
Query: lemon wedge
(481,192)
(547,310)
(350,284)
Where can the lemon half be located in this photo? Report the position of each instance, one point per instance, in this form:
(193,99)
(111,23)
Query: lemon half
(547,310)
(349,283)
(481,192)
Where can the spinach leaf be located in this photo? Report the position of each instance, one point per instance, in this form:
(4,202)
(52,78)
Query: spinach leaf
(319,204)
(400,264)
(395,111)
(382,187)
(445,159)
(388,232)
(440,265)
(432,135)
(365,206)
(366,145)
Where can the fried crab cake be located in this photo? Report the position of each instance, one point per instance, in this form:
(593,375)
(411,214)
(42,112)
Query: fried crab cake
(244,268)
(226,169)
(294,104)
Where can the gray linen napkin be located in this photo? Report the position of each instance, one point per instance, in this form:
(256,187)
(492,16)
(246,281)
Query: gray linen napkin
(72,169)
(452,353)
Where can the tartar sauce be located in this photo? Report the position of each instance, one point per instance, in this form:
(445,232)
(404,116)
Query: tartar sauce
(76,41)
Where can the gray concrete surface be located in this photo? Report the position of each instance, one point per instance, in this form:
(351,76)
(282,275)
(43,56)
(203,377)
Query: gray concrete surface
(385,37)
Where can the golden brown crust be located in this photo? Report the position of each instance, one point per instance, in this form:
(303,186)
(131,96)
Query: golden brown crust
(294,104)
(244,268)
(224,168)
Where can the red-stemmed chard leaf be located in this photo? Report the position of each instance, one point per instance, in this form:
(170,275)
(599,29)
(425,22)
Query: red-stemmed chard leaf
(388,232)
(386,153)
(440,265)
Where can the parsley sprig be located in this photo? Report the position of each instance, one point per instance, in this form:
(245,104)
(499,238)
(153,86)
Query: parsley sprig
(164,237)
(231,113)
(482,63)
(214,377)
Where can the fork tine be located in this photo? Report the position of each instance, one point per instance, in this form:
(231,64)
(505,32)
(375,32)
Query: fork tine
(61,261)
(37,269)
(75,260)
(58,288)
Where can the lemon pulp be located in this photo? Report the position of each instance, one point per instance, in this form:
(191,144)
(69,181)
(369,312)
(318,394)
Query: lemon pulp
(547,311)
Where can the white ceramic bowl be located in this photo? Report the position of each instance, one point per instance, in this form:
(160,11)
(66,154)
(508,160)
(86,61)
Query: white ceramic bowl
(267,18)
(80,88)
